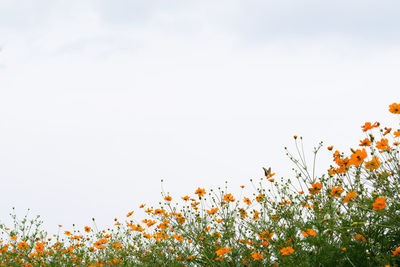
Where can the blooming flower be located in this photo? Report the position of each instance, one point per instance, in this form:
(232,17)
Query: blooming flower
(228,198)
(358,157)
(373,164)
(309,232)
(212,211)
(223,251)
(349,197)
(368,126)
(200,192)
(365,142)
(379,204)
(257,256)
(394,108)
(287,250)
(396,252)
(315,188)
(336,191)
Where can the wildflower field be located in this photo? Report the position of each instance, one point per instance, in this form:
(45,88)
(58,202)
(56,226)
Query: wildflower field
(350,216)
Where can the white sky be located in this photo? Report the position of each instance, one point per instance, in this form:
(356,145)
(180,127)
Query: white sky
(100,100)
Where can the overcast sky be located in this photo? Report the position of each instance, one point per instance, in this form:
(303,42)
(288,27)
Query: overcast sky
(100,100)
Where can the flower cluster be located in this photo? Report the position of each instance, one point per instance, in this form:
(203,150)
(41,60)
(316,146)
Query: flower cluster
(347,216)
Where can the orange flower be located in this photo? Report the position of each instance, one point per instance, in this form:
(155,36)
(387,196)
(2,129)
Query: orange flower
(396,252)
(257,256)
(397,133)
(200,192)
(223,251)
(186,198)
(315,188)
(23,245)
(129,214)
(247,200)
(330,148)
(178,237)
(394,108)
(365,142)
(358,157)
(287,250)
(259,198)
(67,233)
(310,232)
(39,247)
(387,130)
(350,196)
(368,126)
(359,237)
(228,198)
(167,198)
(383,145)
(336,191)
(87,229)
(256,215)
(14,237)
(373,164)
(380,203)
(212,211)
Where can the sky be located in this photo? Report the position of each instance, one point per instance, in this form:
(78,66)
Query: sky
(100,100)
